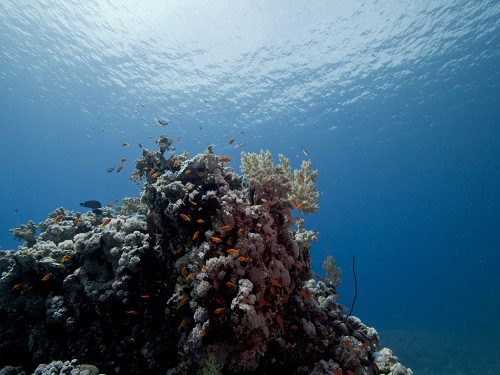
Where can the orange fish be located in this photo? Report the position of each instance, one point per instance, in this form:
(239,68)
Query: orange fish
(280,323)
(131,339)
(296,204)
(97,310)
(119,169)
(125,144)
(299,266)
(364,345)
(105,222)
(233,251)
(185,217)
(346,343)
(242,259)
(17,287)
(205,268)
(200,221)
(123,160)
(110,205)
(184,271)
(193,203)
(336,371)
(58,219)
(187,171)
(230,284)
(219,310)
(231,141)
(47,276)
(349,372)
(302,178)
(132,312)
(225,228)
(216,239)
(319,277)
(203,331)
(195,235)
(276,283)
(183,302)
(189,277)
(182,325)
(77,222)
(225,159)
(65,258)
(144,296)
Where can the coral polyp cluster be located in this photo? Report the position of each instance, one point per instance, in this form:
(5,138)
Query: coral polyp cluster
(206,273)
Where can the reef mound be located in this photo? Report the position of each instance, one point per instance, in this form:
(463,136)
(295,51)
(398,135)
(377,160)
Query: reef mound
(206,273)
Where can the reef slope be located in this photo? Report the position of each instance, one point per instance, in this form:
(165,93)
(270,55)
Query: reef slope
(206,273)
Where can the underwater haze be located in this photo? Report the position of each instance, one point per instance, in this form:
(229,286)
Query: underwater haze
(396,104)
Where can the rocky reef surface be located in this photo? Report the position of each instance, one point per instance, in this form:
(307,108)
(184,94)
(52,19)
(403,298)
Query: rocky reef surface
(206,273)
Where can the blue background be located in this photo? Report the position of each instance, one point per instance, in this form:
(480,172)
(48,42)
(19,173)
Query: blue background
(397,105)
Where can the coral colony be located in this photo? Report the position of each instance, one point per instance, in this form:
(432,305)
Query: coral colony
(206,273)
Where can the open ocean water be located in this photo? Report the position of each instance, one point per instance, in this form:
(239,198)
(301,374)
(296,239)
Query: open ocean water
(396,103)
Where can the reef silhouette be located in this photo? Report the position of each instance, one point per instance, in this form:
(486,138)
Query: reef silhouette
(206,273)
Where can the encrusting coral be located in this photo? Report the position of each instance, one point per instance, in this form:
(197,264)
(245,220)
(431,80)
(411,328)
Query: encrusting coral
(205,274)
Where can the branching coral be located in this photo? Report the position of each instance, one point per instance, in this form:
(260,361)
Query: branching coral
(333,272)
(272,183)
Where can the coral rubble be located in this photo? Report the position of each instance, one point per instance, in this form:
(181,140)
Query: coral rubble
(205,274)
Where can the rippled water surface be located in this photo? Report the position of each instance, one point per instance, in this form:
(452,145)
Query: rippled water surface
(397,104)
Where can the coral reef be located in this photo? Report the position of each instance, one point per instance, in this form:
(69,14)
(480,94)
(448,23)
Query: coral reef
(204,275)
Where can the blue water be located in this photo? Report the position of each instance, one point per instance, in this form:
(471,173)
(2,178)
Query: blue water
(397,105)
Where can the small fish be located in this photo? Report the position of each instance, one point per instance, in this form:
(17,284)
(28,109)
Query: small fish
(225,228)
(119,169)
(184,271)
(123,160)
(299,266)
(346,344)
(132,312)
(219,302)
(182,325)
(231,141)
(58,218)
(225,159)
(47,276)
(131,339)
(216,239)
(111,169)
(187,171)
(105,222)
(319,277)
(364,345)
(195,235)
(203,331)
(183,302)
(280,323)
(189,277)
(305,151)
(65,258)
(110,205)
(192,202)
(125,144)
(91,204)
(302,178)
(276,283)
(97,310)
(242,259)
(230,284)
(185,217)
(138,144)
(232,251)
(145,296)
(349,372)
(219,310)
(262,302)
(18,287)
(200,221)
(296,204)
(204,268)
(336,371)
(162,122)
